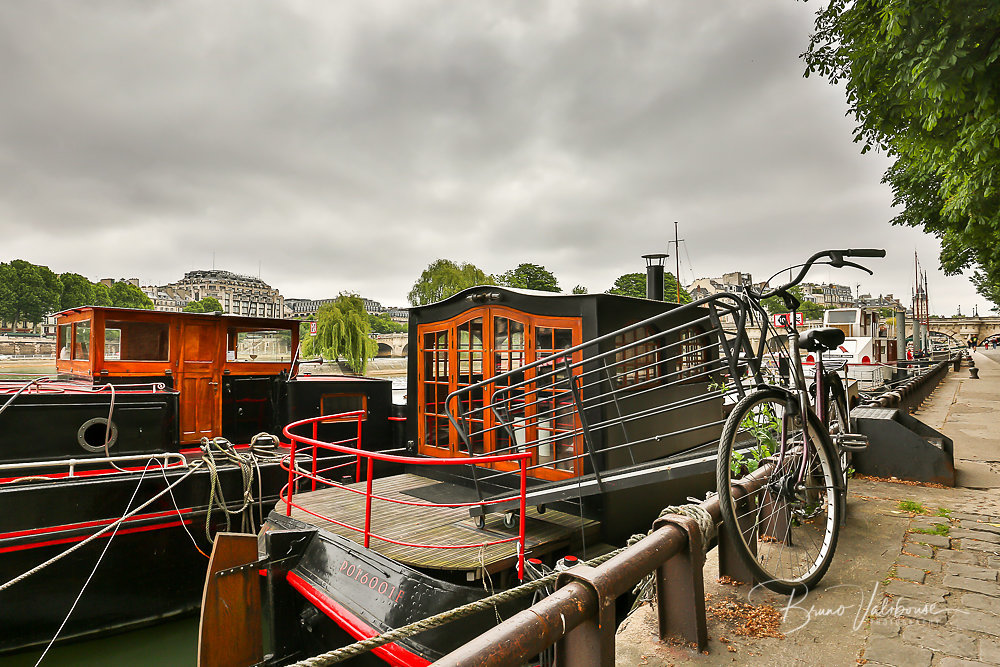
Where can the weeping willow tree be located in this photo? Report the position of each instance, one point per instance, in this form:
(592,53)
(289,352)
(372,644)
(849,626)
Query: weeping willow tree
(342,332)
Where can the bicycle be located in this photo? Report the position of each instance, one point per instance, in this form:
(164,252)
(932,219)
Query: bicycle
(785,518)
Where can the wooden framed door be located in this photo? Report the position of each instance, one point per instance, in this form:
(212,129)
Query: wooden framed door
(198,380)
(486,342)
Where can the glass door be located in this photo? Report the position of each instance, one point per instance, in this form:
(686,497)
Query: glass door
(558,442)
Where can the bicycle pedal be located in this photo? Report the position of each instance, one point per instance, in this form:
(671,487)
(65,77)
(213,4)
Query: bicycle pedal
(852,442)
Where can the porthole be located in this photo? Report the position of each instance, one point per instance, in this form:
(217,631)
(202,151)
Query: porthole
(93,432)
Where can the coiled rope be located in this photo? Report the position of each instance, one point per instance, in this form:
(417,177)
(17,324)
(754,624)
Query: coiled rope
(216,449)
(705,523)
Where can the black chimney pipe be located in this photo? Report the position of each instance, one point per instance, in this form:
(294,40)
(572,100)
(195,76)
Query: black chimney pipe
(654,275)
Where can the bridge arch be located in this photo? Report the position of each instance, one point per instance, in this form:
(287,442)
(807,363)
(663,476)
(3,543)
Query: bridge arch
(384,350)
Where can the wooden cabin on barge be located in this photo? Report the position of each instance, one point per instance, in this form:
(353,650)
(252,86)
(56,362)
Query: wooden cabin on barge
(137,392)
(537,426)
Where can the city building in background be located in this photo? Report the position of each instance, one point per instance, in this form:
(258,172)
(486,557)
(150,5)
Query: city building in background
(729,282)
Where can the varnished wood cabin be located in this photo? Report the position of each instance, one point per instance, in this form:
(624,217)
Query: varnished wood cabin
(225,368)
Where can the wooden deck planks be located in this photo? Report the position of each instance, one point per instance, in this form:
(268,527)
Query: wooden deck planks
(445,526)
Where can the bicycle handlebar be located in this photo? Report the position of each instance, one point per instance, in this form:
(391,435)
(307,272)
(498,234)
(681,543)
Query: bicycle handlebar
(836,260)
(864,252)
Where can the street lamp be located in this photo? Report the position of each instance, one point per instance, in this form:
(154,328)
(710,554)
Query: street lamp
(654,275)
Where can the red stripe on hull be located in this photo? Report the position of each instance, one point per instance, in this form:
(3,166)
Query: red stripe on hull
(394,654)
(88,524)
(81,538)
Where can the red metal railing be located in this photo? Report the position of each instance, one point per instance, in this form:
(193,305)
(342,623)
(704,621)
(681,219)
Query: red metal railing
(314,445)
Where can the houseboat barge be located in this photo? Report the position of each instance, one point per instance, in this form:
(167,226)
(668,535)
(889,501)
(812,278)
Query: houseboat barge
(168,420)
(540,428)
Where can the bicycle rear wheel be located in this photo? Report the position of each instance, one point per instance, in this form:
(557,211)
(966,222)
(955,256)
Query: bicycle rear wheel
(838,418)
(785,529)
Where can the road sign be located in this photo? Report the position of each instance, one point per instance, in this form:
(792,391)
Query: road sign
(312,328)
(779,319)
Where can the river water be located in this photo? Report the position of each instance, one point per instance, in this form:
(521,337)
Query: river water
(165,645)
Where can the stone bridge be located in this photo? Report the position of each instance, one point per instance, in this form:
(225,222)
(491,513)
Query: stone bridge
(392,345)
(962,327)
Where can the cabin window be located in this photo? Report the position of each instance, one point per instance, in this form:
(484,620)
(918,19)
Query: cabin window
(536,406)
(136,341)
(692,358)
(269,345)
(508,355)
(554,411)
(338,404)
(81,340)
(470,371)
(636,359)
(435,389)
(65,340)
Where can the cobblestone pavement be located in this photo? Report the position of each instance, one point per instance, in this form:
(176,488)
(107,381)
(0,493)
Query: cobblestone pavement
(944,595)
(906,588)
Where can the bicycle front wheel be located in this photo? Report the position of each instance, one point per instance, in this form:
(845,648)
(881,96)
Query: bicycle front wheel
(785,527)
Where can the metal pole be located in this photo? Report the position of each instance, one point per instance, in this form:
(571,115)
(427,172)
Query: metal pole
(677,264)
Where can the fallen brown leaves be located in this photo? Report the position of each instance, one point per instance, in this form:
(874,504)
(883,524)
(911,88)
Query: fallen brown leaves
(750,620)
(906,482)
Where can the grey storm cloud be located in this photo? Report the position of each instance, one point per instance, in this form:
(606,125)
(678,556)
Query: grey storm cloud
(345,145)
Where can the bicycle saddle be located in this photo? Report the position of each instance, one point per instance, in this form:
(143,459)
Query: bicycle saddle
(819,340)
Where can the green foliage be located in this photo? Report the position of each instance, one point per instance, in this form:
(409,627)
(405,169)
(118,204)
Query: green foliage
(579,289)
(529,276)
(634,284)
(342,332)
(809,310)
(383,324)
(28,292)
(923,83)
(630,284)
(77,291)
(211,305)
(207,305)
(763,425)
(912,506)
(126,295)
(944,511)
(102,295)
(443,278)
(938,529)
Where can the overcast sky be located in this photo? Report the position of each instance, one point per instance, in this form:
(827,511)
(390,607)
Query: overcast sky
(347,145)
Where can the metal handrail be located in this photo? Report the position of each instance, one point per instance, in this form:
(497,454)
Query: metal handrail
(178,461)
(315,445)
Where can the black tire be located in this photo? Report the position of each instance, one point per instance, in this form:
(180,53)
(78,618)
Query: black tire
(838,417)
(792,549)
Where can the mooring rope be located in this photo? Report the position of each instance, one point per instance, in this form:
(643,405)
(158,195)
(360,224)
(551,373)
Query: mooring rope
(705,523)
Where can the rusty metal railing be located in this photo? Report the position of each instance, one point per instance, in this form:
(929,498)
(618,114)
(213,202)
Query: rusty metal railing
(579,617)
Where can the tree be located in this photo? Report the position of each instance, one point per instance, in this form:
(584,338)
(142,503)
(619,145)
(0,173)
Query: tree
(102,295)
(529,276)
(77,291)
(27,292)
(630,284)
(207,305)
(443,278)
(579,289)
(342,331)
(809,309)
(126,295)
(923,83)
(383,324)
(634,284)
